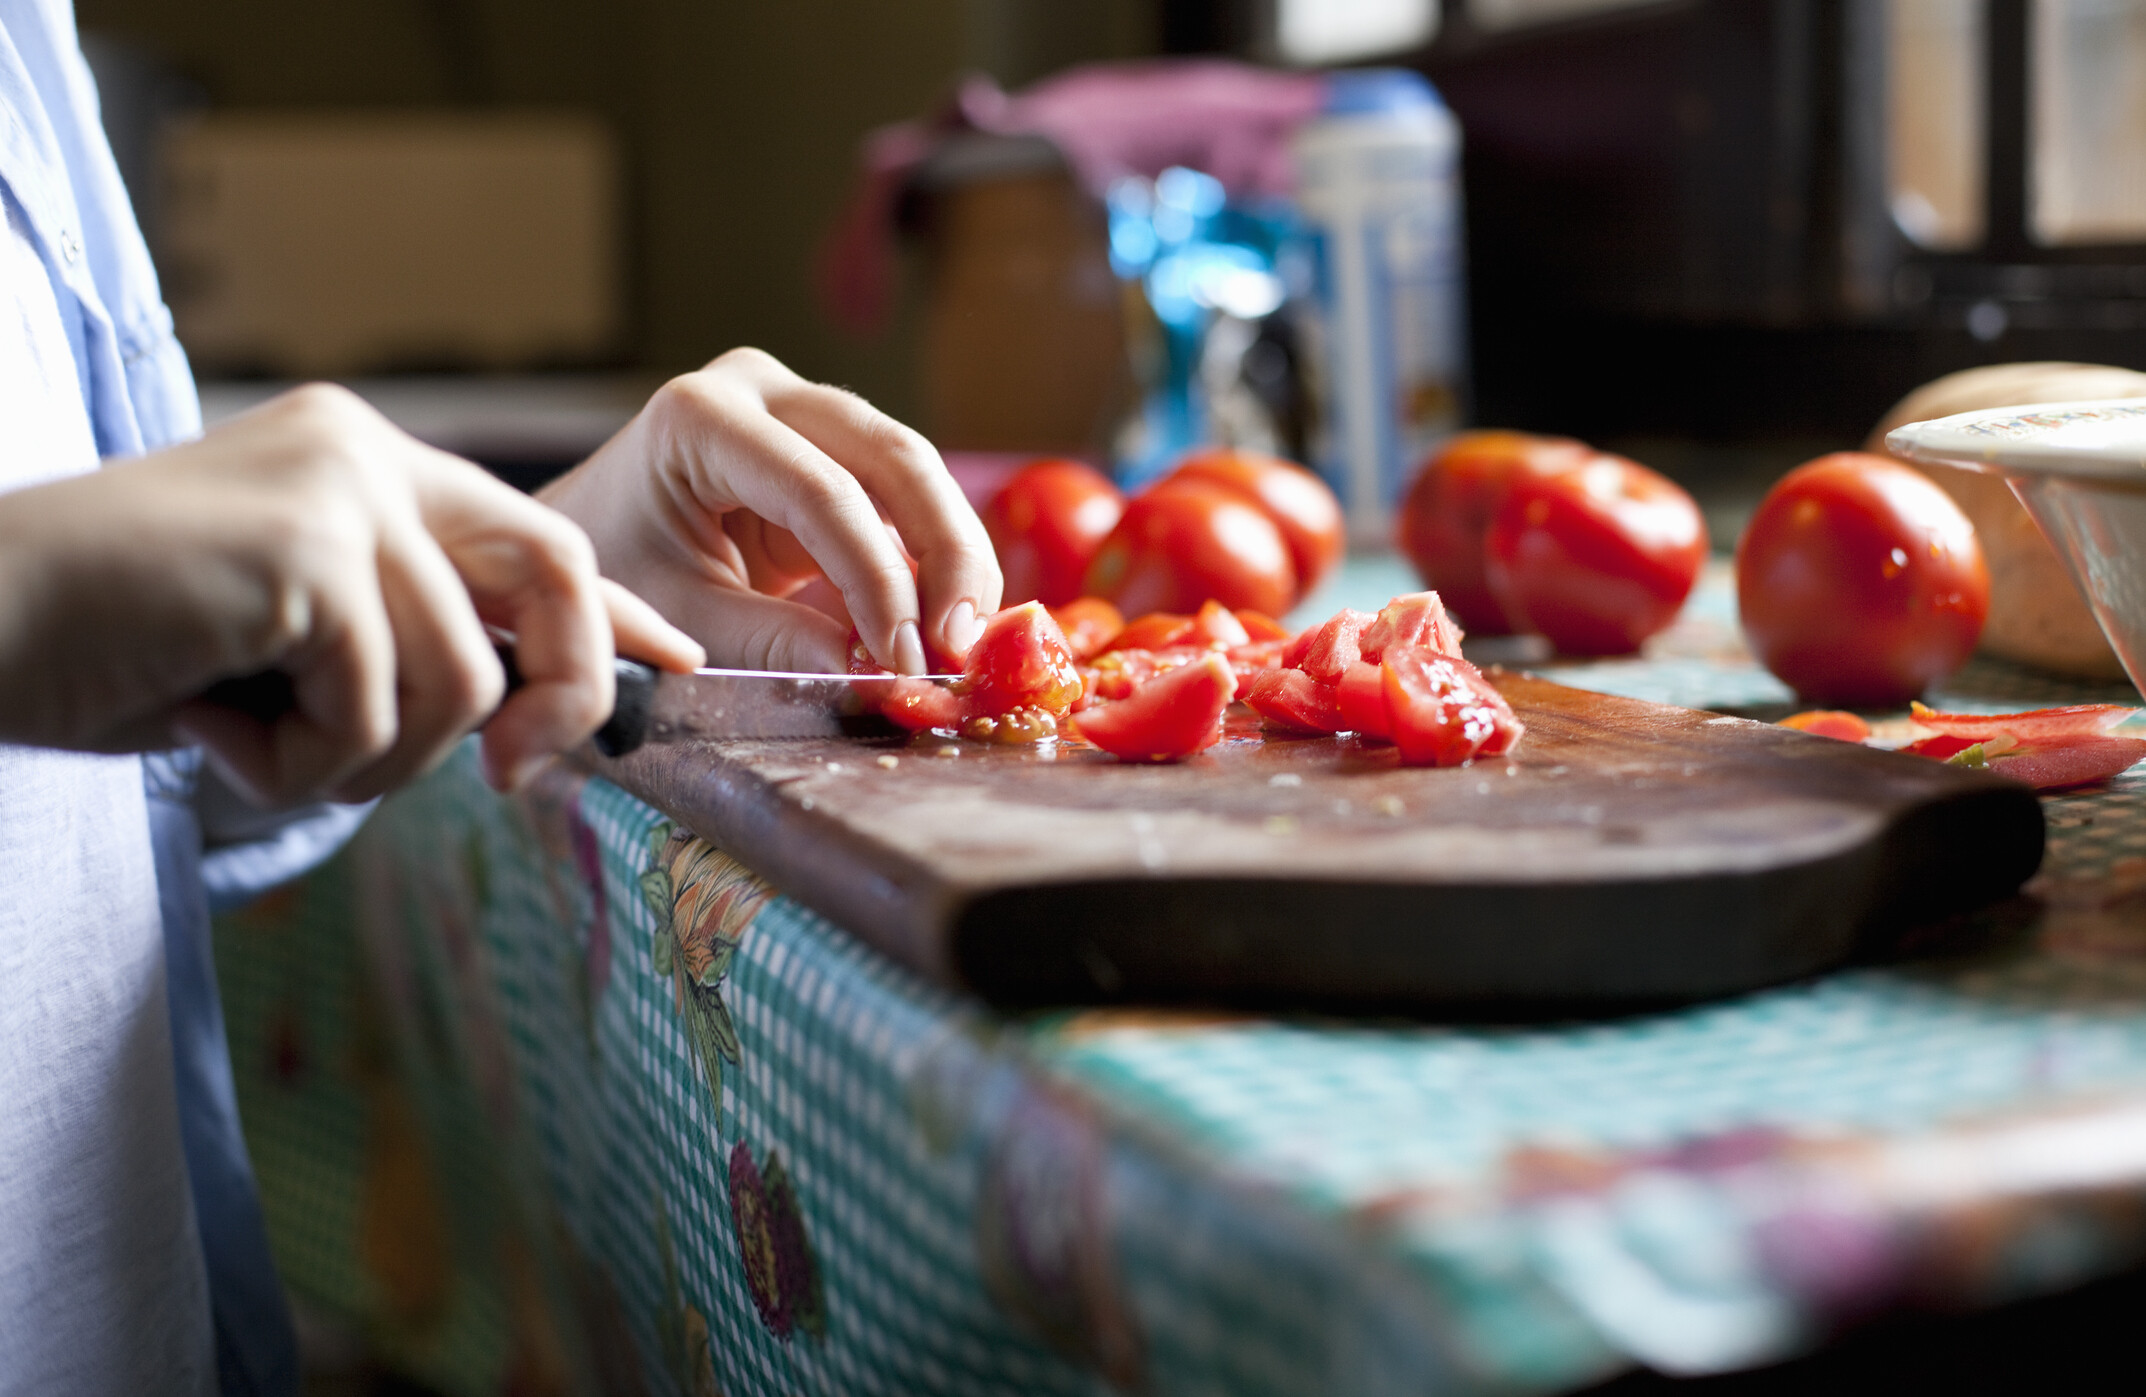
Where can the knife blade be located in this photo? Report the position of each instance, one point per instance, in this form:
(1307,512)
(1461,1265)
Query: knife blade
(655,706)
(732,703)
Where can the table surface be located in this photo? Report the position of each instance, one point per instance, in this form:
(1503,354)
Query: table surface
(736,1147)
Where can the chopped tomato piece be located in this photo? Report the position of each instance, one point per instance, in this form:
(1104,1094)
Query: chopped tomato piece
(1119,672)
(1019,681)
(1158,630)
(1260,626)
(1218,625)
(918,704)
(1171,717)
(1293,701)
(1361,697)
(860,658)
(1090,624)
(1020,661)
(2082,719)
(2069,761)
(1332,647)
(1829,722)
(1253,660)
(1417,618)
(1443,712)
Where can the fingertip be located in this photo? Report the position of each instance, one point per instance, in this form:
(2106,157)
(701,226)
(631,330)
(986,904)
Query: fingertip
(959,631)
(908,649)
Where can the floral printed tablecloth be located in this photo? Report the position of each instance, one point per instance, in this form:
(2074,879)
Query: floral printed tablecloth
(551,1096)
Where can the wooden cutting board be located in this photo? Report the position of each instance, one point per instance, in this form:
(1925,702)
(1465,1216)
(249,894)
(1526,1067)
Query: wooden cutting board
(1626,853)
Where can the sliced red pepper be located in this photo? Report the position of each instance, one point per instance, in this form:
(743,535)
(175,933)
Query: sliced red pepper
(2069,761)
(2083,719)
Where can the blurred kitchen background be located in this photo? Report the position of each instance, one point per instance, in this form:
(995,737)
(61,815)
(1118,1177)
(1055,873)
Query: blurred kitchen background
(1718,234)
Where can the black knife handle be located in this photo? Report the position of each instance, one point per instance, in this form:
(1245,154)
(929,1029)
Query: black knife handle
(270,694)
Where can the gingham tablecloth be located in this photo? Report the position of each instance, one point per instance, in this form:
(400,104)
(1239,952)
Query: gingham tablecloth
(549,1095)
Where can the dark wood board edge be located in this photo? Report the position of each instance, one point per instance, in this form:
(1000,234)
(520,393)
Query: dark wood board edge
(1408,948)
(1241,941)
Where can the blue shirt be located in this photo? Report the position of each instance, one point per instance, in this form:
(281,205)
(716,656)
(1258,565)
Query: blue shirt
(58,170)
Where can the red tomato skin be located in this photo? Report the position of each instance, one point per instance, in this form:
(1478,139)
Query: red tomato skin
(1167,719)
(1326,651)
(1020,661)
(1595,555)
(1441,709)
(1216,624)
(1046,522)
(1448,510)
(1860,583)
(1186,541)
(1290,700)
(918,705)
(1158,630)
(1361,697)
(1301,505)
(1089,623)
(1418,618)
(1253,660)
(1258,625)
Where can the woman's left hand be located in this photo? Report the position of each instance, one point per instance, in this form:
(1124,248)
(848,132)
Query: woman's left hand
(739,484)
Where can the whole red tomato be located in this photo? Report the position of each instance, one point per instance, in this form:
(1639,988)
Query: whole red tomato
(1595,554)
(1184,542)
(1300,504)
(1860,582)
(1449,507)
(1046,522)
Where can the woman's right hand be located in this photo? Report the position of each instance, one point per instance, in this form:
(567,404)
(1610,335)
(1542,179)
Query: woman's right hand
(313,537)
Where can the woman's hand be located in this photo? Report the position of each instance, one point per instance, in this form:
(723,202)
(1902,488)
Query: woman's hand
(309,536)
(740,484)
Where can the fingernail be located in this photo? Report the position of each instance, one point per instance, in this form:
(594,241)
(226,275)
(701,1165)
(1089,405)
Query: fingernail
(962,627)
(908,649)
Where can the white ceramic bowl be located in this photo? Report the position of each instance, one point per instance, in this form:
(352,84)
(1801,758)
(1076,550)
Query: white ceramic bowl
(2080,469)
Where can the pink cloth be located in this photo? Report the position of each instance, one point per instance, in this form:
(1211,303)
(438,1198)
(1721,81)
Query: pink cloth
(1228,120)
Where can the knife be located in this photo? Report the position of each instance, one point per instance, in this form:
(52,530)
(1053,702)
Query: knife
(655,706)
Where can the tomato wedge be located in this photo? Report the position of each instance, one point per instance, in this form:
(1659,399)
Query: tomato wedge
(2082,719)
(1020,661)
(1167,719)
(1417,618)
(1019,682)
(1292,701)
(1327,652)
(1361,697)
(1089,623)
(1258,626)
(1443,712)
